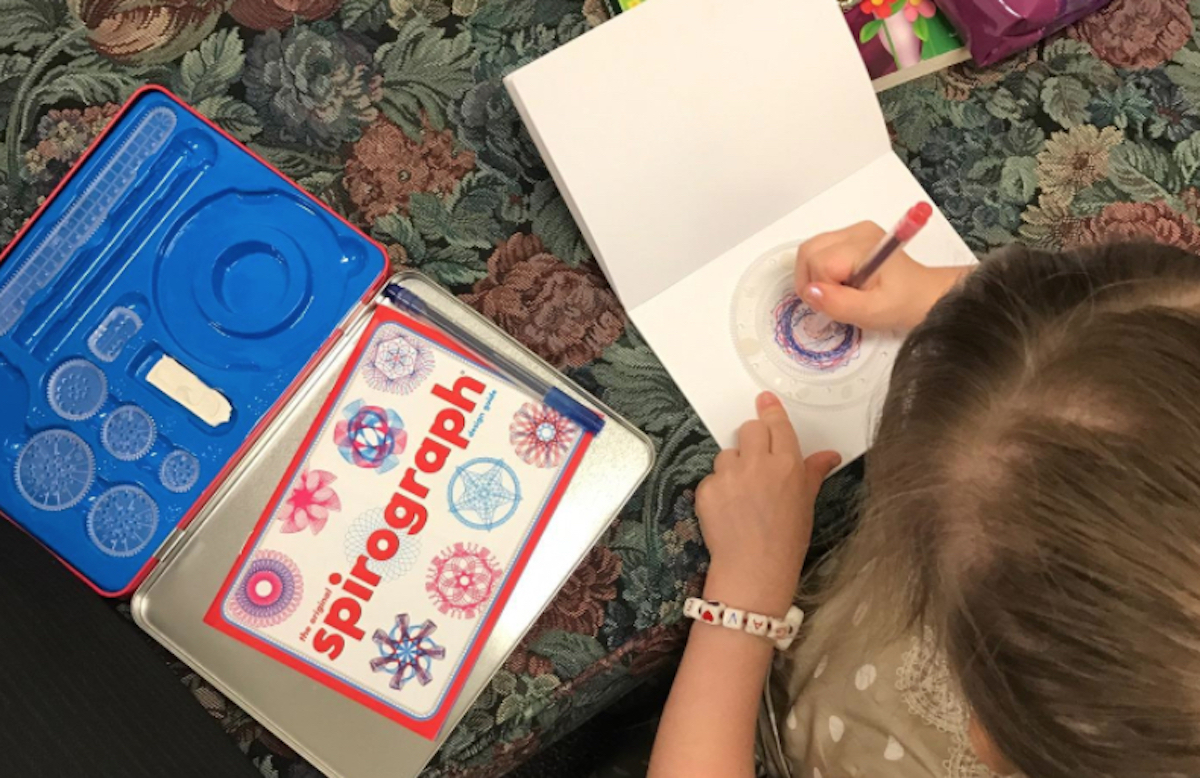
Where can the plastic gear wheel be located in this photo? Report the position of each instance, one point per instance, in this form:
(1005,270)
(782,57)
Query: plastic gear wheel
(122,521)
(179,471)
(77,389)
(54,470)
(128,433)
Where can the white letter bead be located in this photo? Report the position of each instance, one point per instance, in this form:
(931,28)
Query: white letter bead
(710,612)
(757,624)
(733,618)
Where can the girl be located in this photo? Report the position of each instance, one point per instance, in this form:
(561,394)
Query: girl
(1022,594)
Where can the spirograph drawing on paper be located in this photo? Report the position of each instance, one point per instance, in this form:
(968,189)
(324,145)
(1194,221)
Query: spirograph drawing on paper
(812,340)
(541,436)
(370,437)
(268,593)
(309,502)
(799,354)
(484,493)
(396,362)
(462,579)
(407,652)
(355,544)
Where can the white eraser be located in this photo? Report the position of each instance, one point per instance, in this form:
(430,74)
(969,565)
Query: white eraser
(184,387)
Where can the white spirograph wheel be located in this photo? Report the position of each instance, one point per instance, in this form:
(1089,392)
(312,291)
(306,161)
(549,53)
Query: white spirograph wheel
(833,366)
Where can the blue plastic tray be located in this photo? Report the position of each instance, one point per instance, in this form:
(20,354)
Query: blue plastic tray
(168,240)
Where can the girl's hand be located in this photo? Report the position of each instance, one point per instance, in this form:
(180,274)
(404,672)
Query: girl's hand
(896,297)
(756,512)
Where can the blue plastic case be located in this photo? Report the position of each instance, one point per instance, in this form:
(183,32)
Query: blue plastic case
(169,240)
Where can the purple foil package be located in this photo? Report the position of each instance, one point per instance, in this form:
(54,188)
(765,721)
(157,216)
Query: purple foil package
(993,29)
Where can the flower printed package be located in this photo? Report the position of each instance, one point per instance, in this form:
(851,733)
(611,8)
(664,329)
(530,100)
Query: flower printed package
(404,521)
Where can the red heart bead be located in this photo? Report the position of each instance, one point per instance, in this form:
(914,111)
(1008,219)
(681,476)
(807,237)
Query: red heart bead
(708,616)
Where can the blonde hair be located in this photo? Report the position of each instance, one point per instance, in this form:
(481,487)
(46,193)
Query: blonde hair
(1033,496)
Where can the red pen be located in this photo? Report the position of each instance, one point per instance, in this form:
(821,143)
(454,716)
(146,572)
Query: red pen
(916,218)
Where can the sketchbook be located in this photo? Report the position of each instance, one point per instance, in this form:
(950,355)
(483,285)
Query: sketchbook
(694,171)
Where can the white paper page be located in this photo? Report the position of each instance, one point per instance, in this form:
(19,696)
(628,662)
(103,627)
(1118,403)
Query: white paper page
(690,326)
(681,127)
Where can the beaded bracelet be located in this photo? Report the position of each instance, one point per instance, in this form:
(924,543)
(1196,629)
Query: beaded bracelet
(781,631)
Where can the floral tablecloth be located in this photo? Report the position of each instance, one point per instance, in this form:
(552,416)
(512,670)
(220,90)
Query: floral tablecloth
(392,111)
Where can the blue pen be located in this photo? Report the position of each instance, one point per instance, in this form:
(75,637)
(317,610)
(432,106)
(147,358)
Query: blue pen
(552,396)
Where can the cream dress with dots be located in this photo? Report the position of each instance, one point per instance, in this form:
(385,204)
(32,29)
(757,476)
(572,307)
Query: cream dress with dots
(892,712)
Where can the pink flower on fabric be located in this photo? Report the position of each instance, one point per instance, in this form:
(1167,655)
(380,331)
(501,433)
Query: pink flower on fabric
(309,503)
(880,9)
(917,8)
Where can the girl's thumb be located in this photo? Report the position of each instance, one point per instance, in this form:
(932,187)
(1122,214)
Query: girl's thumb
(840,303)
(820,465)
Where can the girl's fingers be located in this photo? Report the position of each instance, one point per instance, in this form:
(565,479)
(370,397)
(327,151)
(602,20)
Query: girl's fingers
(724,459)
(818,467)
(819,259)
(842,303)
(754,438)
(775,417)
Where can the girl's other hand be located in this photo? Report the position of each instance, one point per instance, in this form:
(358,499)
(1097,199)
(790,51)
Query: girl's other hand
(896,297)
(756,512)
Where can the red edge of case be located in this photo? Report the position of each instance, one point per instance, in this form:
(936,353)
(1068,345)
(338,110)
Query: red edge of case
(428,728)
(287,393)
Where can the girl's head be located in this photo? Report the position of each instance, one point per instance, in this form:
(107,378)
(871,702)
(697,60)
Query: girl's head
(1033,495)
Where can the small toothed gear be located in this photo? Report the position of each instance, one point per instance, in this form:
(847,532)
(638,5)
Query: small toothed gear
(128,433)
(407,652)
(76,390)
(179,471)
